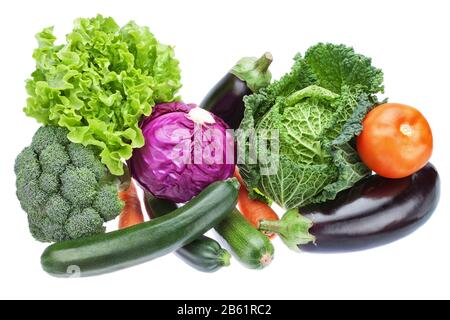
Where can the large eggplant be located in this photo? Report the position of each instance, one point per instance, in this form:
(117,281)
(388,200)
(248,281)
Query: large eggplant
(374,212)
(225,99)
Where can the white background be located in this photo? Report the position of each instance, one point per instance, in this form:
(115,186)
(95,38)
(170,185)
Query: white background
(409,40)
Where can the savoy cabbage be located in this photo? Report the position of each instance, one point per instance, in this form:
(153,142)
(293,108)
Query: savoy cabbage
(317,109)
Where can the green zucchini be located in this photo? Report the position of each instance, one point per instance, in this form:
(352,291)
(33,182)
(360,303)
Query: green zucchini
(143,242)
(204,254)
(156,207)
(249,246)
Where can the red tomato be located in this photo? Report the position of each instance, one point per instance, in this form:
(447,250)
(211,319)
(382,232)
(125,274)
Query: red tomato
(396,140)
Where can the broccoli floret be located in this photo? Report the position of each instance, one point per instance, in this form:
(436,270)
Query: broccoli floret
(61,135)
(49,182)
(59,182)
(87,223)
(107,203)
(57,209)
(37,232)
(75,211)
(80,155)
(79,186)
(36,217)
(86,157)
(44,137)
(27,165)
(45,230)
(54,232)
(30,195)
(54,159)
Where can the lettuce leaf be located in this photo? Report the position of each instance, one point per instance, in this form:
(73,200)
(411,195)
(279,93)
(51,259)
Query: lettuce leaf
(317,109)
(100,83)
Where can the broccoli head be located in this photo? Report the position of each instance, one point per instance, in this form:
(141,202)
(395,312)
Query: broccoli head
(64,188)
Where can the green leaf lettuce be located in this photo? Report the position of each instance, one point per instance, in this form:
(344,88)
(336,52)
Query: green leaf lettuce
(100,83)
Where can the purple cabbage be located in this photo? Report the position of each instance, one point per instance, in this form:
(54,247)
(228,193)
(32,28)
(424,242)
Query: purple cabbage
(186,149)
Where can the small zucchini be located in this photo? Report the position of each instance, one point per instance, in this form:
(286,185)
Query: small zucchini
(204,254)
(249,246)
(157,207)
(143,242)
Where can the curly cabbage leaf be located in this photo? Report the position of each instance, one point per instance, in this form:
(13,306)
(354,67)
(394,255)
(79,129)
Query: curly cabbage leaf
(317,109)
(100,83)
(334,66)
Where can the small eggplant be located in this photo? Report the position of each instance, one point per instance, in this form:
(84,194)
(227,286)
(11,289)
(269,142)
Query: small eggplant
(225,99)
(374,212)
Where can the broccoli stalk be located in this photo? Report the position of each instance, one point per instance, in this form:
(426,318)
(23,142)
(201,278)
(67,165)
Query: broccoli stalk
(64,188)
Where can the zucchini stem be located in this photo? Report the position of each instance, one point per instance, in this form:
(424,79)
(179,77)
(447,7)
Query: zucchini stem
(224,257)
(293,229)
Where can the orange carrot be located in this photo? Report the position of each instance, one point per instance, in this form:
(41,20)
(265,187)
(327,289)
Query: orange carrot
(254,210)
(132,211)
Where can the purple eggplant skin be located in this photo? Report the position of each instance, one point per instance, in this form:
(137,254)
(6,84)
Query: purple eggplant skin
(247,76)
(374,212)
(225,100)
